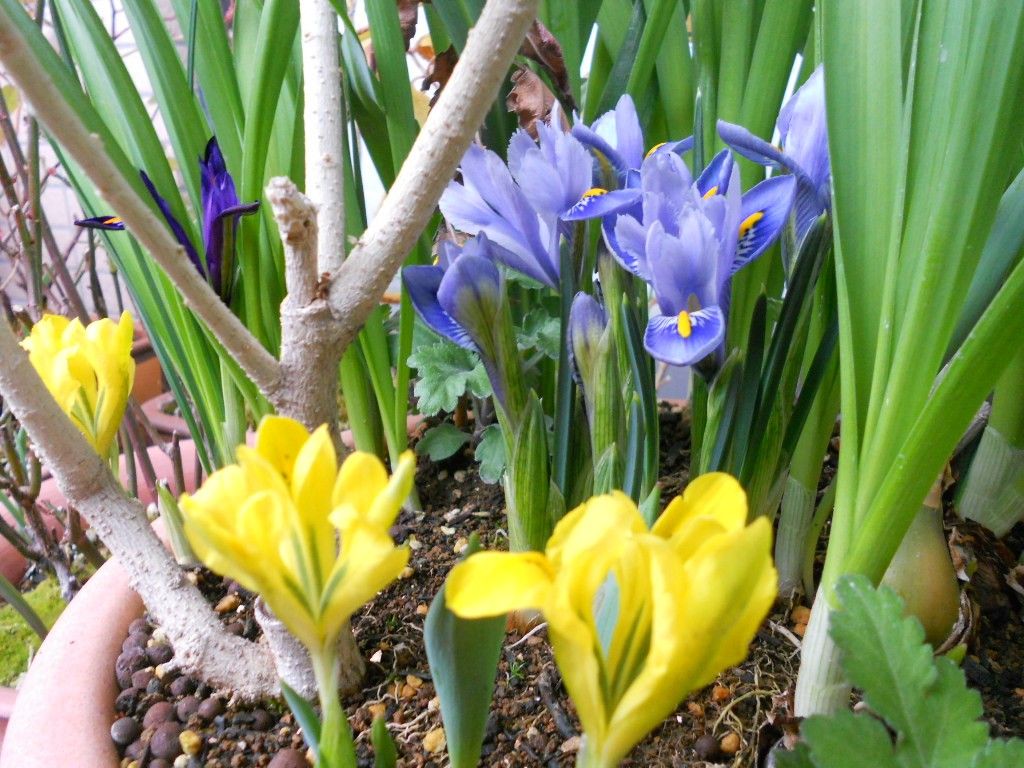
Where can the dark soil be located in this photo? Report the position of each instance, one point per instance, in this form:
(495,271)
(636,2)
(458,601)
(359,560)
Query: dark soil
(734,721)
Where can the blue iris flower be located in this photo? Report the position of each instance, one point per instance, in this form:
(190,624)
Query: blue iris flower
(461,298)
(804,136)
(687,239)
(617,140)
(221,210)
(519,207)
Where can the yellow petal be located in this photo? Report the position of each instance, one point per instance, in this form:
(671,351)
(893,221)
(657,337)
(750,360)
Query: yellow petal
(731,584)
(656,689)
(586,528)
(313,475)
(493,583)
(361,479)
(388,503)
(369,562)
(279,440)
(715,495)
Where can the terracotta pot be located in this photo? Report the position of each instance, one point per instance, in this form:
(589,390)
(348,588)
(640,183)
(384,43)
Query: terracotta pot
(149,376)
(8,696)
(65,703)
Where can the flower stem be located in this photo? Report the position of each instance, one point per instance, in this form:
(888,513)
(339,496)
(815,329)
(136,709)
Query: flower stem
(336,747)
(590,755)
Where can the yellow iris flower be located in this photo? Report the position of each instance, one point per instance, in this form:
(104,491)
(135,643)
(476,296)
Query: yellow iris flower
(686,596)
(89,371)
(311,538)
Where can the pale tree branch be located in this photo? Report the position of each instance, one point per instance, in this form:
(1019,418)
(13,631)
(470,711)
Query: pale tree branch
(201,644)
(89,151)
(323,117)
(359,283)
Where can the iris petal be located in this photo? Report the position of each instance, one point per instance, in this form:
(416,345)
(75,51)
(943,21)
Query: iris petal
(664,341)
(423,282)
(600,202)
(174,224)
(765,210)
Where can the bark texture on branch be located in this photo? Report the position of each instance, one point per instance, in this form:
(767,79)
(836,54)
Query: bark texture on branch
(201,644)
(450,127)
(324,119)
(89,151)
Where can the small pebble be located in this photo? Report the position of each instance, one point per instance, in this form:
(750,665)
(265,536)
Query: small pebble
(434,741)
(720,693)
(134,641)
(128,662)
(165,741)
(262,720)
(377,710)
(235,628)
(706,748)
(158,714)
(210,708)
(289,758)
(459,476)
(181,761)
(190,742)
(186,707)
(421,609)
(695,709)
(138,627)
(154,686)
(126,700)
(136,750)
(571,745)
(228,603)
(801,614)
(183,686)
(730,743)
(124,731)
(159,654)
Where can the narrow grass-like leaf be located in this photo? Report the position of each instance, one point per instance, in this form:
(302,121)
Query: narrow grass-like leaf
(463,656)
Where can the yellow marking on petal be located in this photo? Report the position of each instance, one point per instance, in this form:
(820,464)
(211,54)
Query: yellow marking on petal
(711,192)
(111,220)
(595,192)
(748,223)
(654,149)
(684,324)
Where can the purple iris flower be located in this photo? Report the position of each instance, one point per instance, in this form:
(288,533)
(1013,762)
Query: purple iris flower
(804,136)
(617,140)
(461,298)
(519,207)
(221,210)
(687,241)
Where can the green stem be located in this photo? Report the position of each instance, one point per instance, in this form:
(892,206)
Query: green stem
(336,747)
(590,755)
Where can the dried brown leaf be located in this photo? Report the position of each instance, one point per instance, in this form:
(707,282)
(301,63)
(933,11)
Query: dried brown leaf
(543,47)
(407,13)
(530,99)
(439,70)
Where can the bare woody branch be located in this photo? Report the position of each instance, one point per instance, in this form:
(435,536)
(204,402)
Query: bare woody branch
(449,129)
(89,151)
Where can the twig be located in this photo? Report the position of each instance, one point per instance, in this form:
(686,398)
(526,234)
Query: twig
(90,152)
(557,713)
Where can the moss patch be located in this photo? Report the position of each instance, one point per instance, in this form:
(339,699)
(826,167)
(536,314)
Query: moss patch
(17,640)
